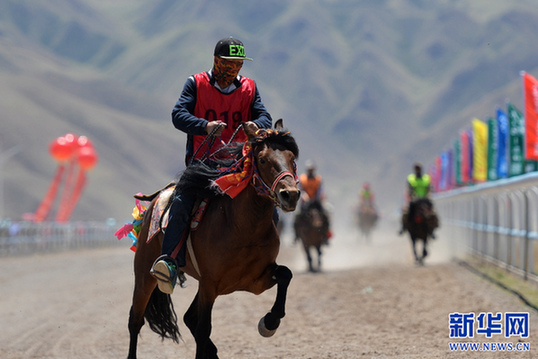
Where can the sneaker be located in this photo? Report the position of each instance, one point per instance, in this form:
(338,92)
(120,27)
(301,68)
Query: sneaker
(166,275)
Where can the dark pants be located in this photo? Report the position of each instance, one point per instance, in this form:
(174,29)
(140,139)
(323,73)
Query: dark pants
(178,220)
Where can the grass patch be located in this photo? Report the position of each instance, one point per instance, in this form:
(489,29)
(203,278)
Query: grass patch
(527,290)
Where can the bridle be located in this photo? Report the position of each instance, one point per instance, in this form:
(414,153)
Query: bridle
(263,189)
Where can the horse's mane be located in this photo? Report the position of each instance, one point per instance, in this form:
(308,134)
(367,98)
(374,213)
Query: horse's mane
(283,138)
(198,177)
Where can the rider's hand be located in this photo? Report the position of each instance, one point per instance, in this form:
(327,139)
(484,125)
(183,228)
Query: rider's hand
(214,124)
(251,126)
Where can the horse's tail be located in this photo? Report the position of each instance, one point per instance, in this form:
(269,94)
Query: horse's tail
(161,316)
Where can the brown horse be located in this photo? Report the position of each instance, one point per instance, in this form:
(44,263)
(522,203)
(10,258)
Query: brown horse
(366,219)
(312,227)
(420,222)
(234,248)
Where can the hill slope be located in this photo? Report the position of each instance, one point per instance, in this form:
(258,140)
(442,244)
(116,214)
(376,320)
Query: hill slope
(367,88)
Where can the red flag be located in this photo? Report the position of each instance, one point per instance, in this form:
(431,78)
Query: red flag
(530,90)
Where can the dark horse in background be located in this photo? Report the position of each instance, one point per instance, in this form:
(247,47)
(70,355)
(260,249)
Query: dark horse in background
(234,248)
(312,227)
(366,218)
(420,221)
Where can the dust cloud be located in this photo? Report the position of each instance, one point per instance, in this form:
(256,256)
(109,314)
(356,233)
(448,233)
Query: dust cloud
(348,249)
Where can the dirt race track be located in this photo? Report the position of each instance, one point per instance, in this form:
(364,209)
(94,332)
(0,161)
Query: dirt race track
(370,302)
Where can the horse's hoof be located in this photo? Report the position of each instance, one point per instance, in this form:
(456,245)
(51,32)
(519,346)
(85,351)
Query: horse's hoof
(262,329)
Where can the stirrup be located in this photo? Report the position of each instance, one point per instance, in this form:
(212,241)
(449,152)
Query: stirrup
(160,275)
(163,277)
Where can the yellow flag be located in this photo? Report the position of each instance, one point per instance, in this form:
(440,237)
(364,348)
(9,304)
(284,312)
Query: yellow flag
(480,150)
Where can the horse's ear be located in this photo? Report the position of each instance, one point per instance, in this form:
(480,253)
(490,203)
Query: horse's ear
(279,124)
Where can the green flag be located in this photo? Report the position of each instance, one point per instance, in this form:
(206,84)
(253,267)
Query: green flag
(517,130)
(493,149)
(530,166)
(457,162)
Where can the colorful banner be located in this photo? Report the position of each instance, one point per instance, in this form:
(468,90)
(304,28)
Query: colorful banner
(437,174)
(470,148)
(451,177)
(445,173)
(502,127)
(501,147)
(516,127)
(530,94)
(493,149)
(432,171)
(464,137)
(457,163)
(480,151)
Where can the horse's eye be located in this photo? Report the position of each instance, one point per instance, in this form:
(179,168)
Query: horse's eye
(262,161)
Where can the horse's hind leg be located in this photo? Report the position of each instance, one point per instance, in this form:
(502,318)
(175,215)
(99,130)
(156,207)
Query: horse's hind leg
(141,298)
(144,286)
(135,324)
(318,249)
(269,324)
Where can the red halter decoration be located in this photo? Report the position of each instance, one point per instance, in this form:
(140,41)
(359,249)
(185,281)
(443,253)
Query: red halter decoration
(236,177)
(280,176)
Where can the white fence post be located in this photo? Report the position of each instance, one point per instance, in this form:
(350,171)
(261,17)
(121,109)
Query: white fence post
(496,221)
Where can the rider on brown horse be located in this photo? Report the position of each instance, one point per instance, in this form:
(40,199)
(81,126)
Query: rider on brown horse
(213,103)
(311,183)
(312,192)
(419,186)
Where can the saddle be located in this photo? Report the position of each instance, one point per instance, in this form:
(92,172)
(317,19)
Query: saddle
(159,216)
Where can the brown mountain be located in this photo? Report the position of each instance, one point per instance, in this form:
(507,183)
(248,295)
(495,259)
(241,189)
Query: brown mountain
(367,87)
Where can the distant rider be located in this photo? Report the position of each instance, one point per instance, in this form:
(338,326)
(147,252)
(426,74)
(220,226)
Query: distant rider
(418,187)
(311,187)
(366,196)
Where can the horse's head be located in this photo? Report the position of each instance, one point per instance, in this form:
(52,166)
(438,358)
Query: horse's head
(275,152)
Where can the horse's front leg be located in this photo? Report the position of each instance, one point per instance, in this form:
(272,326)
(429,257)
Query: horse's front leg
(198,320)
(414,245)
(308,257)
(191,320)
(425,248)
(318,248)
(269,324)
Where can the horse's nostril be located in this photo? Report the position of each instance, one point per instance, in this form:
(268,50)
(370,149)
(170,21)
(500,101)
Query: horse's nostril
(289,196)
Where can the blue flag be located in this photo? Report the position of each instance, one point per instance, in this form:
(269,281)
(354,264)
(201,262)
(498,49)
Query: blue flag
(502,163)
(443,184)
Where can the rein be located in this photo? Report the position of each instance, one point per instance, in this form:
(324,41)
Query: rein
(211,139)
